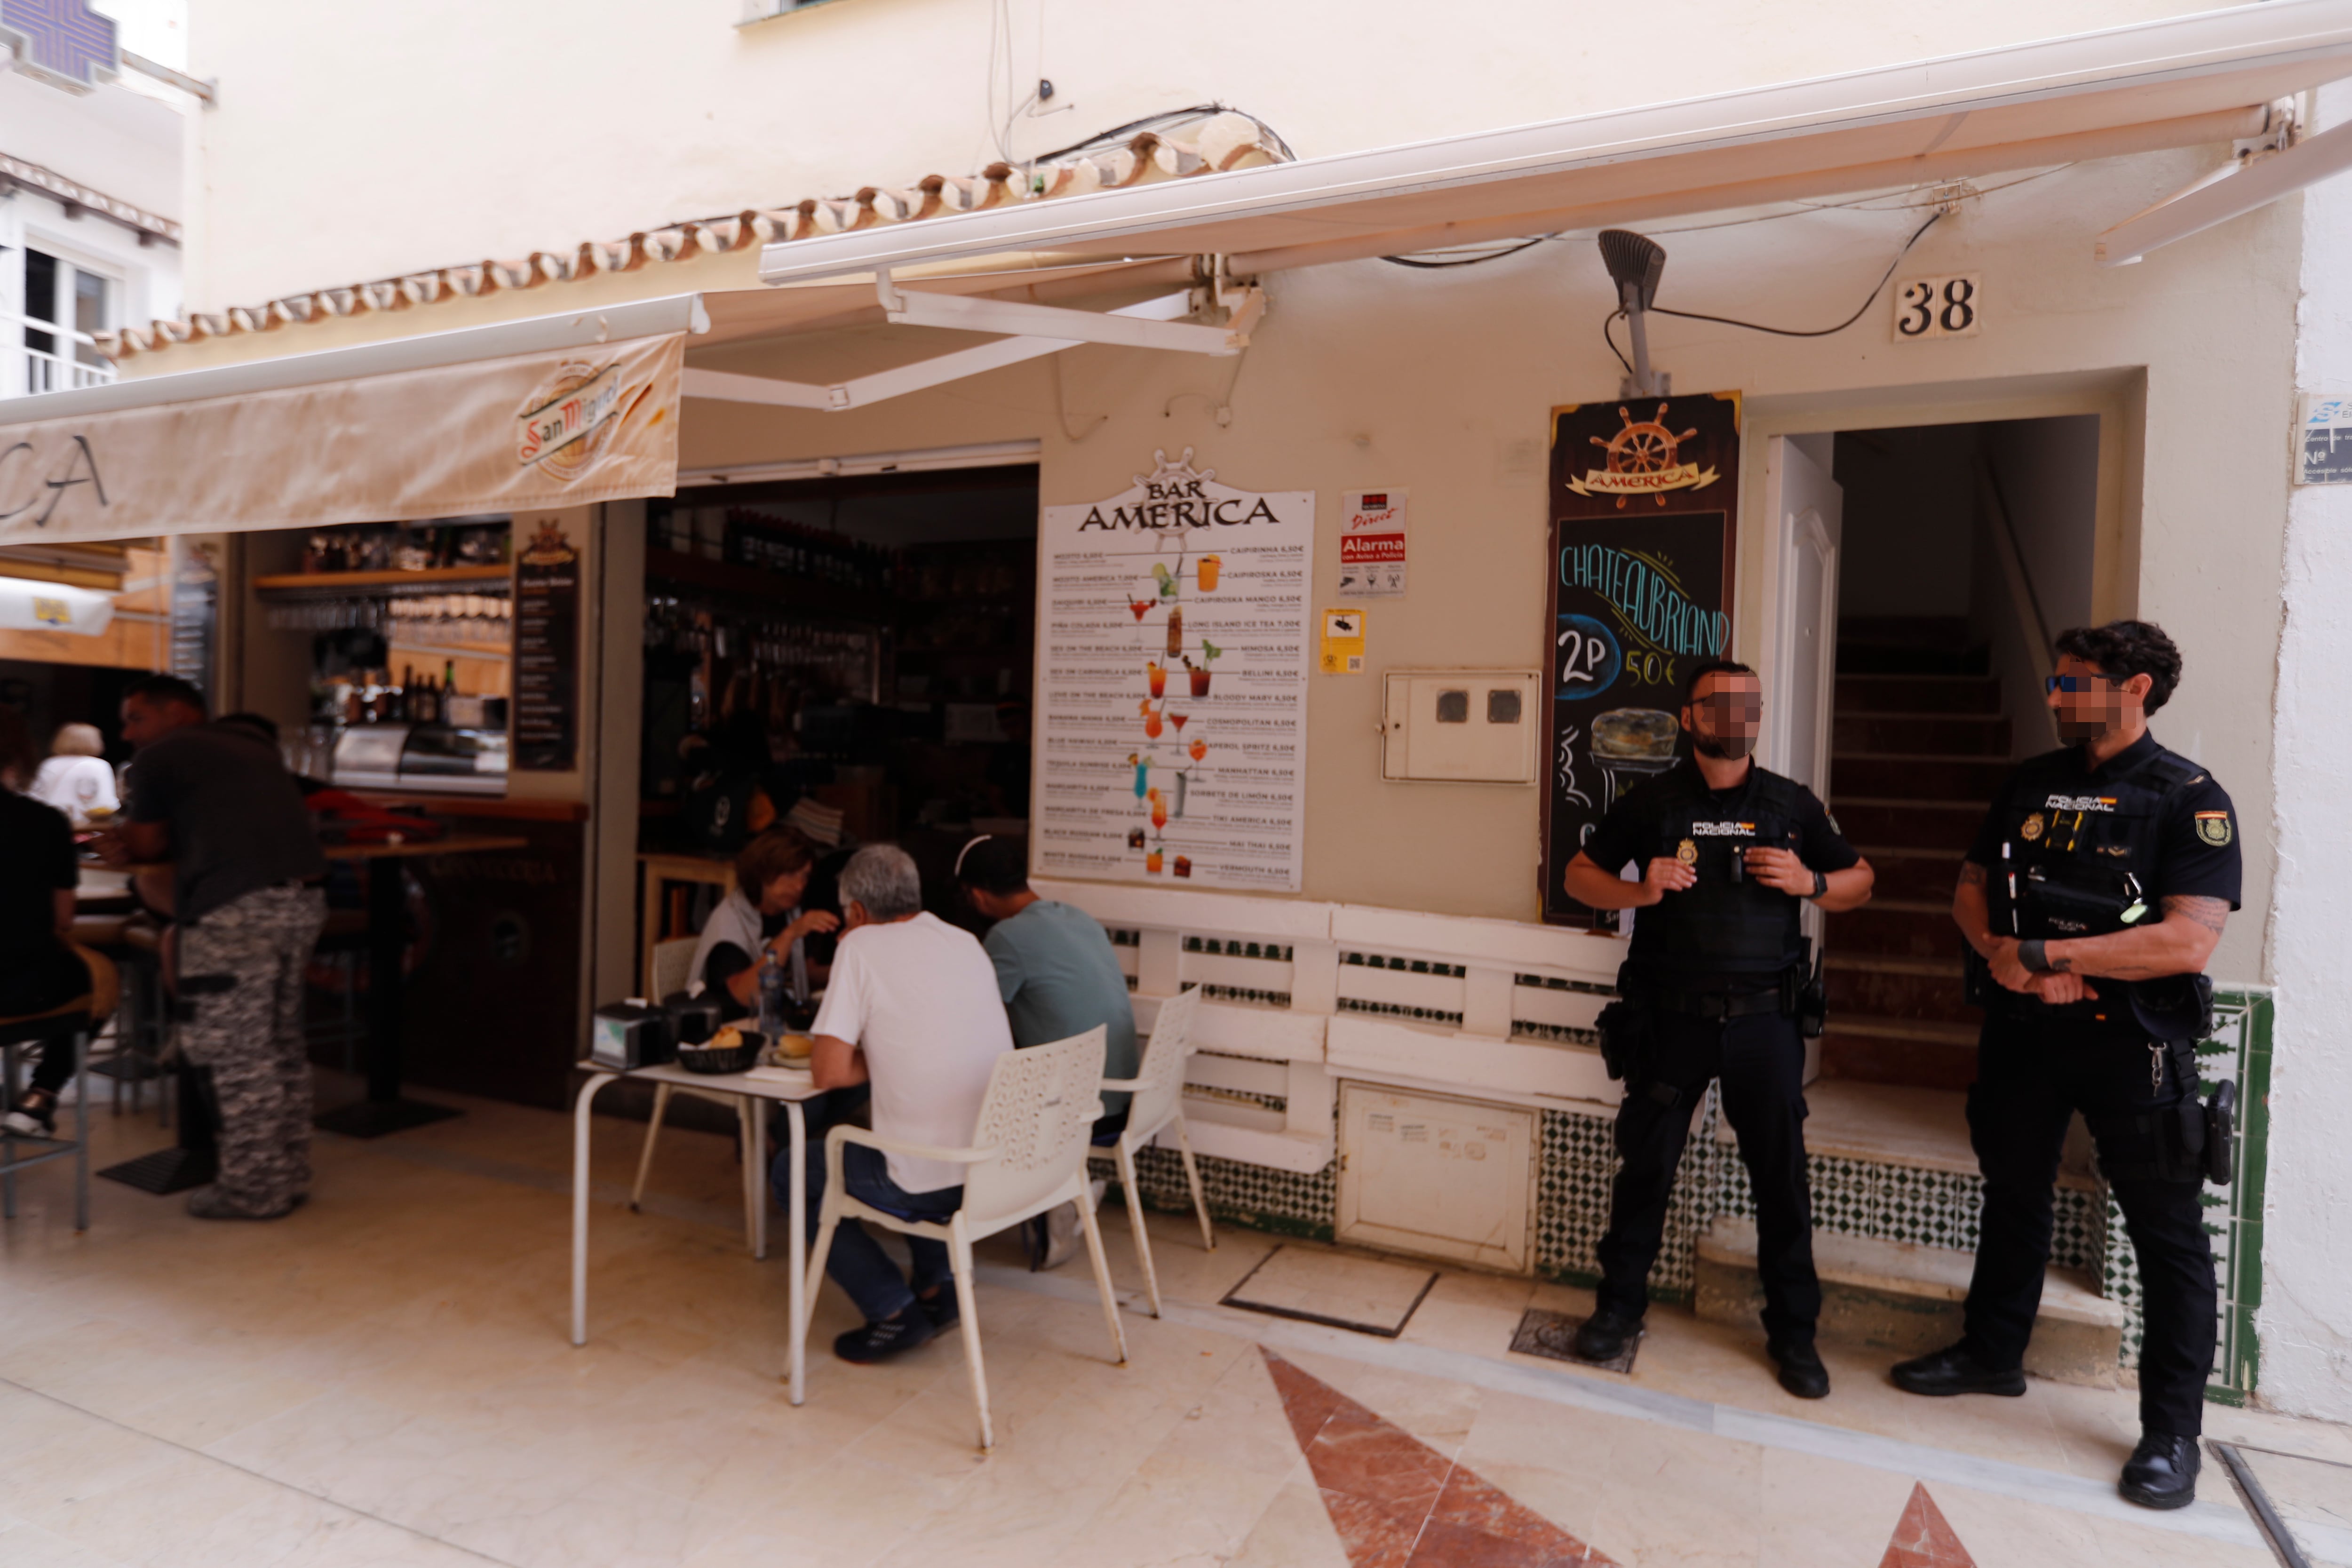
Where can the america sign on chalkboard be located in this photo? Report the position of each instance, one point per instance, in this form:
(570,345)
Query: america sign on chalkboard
(1643,498)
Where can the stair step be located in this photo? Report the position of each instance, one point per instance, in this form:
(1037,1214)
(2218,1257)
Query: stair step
(1919,694)
(1897,773)
(1905,1298)
(1897,659)
(1931,1055)
(1911,874)
(1924,823)
(1912,990)
(1921,734)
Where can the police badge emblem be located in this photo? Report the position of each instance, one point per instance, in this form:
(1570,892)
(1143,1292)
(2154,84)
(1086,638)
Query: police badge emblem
(2213,828)
(1688,852)
(2031,828)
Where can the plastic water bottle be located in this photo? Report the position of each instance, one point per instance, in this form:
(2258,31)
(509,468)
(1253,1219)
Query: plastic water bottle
(771,997)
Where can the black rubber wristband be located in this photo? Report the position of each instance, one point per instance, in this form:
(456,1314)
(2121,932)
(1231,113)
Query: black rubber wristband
(1821,884)
(2030,954)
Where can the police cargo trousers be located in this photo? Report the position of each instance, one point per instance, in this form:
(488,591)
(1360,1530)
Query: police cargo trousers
(2032,1075)
(240,1018)
(1762,1061)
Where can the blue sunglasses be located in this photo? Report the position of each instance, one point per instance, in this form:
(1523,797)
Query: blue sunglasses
(2071,683)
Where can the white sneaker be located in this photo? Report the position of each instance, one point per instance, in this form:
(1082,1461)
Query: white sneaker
(1065,1234)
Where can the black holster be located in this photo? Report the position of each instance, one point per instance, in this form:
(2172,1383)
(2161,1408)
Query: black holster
(1805,994)
(1626,1026)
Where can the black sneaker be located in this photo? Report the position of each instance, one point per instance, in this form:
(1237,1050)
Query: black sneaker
(1604,1335)
(2162,1472)
(941,1308)
(891,1336)
(1956,1370)
(35,1115)
(1802,1372)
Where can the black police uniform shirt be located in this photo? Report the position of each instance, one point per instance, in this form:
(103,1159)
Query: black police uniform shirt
(2196,849)
(1676,814)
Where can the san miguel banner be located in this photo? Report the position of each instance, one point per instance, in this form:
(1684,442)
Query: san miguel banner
(1644,502)
(542,430)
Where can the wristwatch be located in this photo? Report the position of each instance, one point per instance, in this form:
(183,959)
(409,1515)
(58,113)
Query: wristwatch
(1821,884)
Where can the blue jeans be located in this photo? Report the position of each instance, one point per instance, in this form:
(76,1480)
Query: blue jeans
(857,1263)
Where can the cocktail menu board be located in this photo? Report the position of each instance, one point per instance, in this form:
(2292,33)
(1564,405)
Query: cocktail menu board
(1173,624)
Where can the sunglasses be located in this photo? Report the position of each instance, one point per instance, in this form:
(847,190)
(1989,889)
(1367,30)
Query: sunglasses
(2071,684)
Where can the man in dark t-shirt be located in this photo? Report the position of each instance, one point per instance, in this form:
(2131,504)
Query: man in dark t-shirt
(246,865)
(38,970)
(1724,851)
(2091,898)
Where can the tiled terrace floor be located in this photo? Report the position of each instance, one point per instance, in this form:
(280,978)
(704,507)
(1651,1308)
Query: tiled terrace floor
(386,1379)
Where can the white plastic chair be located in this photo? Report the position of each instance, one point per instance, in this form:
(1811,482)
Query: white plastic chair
(673,967)
(1028,1155)
(1157,1104)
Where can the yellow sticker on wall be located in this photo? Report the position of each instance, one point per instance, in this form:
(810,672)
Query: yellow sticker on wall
(1343,642)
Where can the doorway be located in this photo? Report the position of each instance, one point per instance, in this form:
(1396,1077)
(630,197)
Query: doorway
(851,655)
(1926,569)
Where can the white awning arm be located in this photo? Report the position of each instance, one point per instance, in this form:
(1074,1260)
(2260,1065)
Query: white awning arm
(2261,182)
(1164,313)
(976,314)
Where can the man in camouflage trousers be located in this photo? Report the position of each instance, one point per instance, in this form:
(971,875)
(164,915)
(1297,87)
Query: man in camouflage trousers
(247,908)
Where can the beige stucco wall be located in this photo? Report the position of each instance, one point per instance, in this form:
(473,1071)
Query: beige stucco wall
(370,141)
(1367,375)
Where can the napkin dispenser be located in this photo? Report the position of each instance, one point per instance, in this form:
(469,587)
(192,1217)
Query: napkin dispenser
(630,1035)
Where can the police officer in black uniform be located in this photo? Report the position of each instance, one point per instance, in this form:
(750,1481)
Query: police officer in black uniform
(1712,988)
(2094,895)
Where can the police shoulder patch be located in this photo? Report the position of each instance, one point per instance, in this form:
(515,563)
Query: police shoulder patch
(2213,828)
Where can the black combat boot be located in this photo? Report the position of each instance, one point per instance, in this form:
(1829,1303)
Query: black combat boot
(1604,1335)
(1956,1370)
(2162,1472)
(1802,1372)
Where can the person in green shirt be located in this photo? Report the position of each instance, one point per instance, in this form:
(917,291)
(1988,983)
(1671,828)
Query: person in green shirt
(1059,976)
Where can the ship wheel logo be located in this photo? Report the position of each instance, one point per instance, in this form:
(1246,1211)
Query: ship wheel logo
(1643,458)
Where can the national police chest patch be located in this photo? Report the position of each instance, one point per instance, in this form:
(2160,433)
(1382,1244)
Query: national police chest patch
(2213,828)
(2031,828)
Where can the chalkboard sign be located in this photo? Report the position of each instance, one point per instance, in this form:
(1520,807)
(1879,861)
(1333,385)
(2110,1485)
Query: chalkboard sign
(1644,494)
(546,652)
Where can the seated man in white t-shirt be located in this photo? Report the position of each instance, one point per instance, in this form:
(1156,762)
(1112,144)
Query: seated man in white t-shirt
(912,1009)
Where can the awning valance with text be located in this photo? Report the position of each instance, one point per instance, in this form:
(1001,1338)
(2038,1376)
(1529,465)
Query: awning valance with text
(549,412)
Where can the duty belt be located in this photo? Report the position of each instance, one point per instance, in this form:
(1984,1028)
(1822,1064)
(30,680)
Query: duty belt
(1717,1004)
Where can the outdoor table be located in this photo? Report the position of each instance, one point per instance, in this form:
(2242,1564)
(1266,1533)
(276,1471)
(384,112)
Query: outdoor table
(384,1110)
(790,1086)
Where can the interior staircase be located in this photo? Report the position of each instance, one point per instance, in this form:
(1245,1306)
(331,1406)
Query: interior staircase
(1918,747)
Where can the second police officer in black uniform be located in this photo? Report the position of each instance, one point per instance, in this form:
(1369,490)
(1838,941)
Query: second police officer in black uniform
(2093,897)
(1713,987)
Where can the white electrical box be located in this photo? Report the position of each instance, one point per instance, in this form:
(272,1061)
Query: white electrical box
(1439,1177)
(1479,726)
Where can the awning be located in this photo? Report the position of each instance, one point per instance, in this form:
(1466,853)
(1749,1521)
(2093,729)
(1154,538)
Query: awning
(555,410)
(2182,81)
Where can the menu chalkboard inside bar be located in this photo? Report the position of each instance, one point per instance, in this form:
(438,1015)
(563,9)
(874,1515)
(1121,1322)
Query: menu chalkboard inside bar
(1642,496)
(546,652)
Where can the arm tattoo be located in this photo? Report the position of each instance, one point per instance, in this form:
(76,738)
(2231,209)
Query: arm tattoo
(1972,874)
(2211,913)
(2061,965)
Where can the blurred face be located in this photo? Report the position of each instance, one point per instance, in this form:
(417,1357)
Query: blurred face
(785,892)
(146,720)
(1725,715)
(2088,704)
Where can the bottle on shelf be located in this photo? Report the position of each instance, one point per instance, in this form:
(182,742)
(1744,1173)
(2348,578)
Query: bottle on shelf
(425,702)
(400,693)
(449,680)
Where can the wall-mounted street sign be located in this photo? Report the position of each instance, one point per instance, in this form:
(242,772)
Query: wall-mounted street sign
(61,42)
(2322,439)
